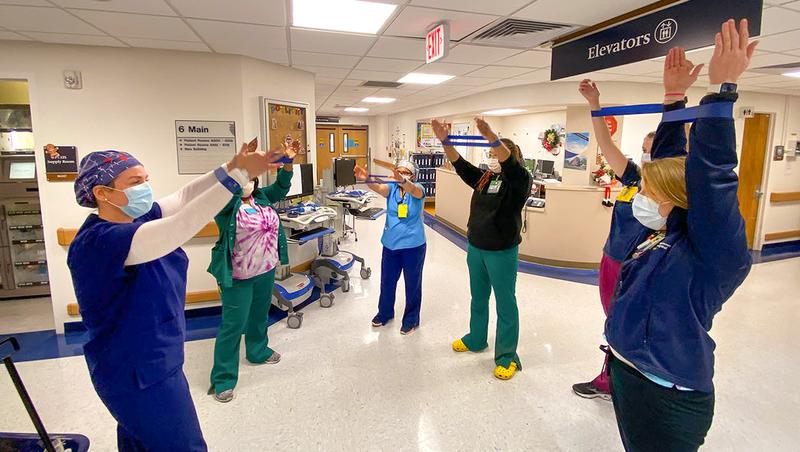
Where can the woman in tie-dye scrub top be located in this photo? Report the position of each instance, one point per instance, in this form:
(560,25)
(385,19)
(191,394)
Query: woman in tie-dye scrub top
(251,246)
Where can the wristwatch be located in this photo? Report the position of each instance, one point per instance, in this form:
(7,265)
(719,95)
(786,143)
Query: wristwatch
(724,88)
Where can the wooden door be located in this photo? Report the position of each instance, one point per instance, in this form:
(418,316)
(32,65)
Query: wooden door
(751,170)
(328,148)
(354,144)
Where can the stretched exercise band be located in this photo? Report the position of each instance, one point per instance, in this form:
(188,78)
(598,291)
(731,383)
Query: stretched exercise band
(711,110)
(470,140)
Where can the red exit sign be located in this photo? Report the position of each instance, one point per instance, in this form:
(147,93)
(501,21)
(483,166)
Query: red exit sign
(437,43)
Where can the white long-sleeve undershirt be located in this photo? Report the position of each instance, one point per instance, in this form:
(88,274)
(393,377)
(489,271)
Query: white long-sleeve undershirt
(186,212)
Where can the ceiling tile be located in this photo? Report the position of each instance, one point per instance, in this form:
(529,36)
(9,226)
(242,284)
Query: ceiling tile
(778,20)
(378,76)
(466,81)
(352,82)
(402,48)
(11,36)
(49,20)
(326,72)
(26,2)
(169,45)
(257,41)
(795,5)
(770,59)
(387,65)
(542,75)
(465,53)
(322,41)
(530,59)
(415,22)
(499,72)
(577,12)
(89,40)
(780,42)
(503,8)
(334,81)
(448,68)
(264,12)
(324,60)
(158,7)
(139,26)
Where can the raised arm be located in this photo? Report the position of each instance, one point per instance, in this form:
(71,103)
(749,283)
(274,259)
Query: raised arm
(614,156)
(679,75)
(362,174)
(468,172)
(716,227)
(511,167)
(158,238)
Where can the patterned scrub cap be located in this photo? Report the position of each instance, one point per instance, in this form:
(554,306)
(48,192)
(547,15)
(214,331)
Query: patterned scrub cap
(100,168)
(409,165)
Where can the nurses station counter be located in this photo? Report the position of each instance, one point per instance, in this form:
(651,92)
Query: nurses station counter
(569,231)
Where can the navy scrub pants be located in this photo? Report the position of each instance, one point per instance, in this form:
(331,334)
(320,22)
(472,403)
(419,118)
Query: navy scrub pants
(158,418)
(409,262)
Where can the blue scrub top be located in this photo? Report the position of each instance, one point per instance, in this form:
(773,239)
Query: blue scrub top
(403,233)
(134,315)
(625,228)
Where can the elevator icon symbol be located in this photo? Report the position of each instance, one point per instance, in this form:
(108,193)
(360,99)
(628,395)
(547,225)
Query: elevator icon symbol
(666,30)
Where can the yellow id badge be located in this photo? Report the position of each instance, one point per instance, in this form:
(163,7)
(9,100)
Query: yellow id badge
(627,193)
(402,211)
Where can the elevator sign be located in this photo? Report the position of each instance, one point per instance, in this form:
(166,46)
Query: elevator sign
(437,43)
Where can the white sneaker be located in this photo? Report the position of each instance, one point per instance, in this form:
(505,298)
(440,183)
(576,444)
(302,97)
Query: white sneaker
(224,396)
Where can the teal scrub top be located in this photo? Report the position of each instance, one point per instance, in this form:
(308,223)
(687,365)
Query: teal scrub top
(403,233)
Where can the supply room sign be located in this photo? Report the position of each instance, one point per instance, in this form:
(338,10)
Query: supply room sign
(204,145)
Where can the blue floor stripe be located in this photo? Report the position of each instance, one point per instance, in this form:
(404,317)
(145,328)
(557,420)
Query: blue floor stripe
(777,251)
(200,325)
(583,276)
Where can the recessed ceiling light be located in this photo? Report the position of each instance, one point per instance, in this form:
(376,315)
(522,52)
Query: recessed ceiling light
(795,74)
(356,109)
(425,79)
(355,16)
(378,100)
(503,111)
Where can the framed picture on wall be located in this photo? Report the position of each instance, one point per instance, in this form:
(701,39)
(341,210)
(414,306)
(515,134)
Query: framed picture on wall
(284,122)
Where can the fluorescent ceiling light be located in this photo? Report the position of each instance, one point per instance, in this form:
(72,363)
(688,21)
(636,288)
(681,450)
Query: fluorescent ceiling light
(341,15)
(795,74)
(356,109)
(503,111)
(378,100)
(425,79)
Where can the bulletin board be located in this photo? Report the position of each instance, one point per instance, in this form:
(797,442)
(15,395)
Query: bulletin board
(282,121)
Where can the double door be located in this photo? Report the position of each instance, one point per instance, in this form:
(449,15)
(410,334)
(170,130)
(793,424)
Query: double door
(341,141)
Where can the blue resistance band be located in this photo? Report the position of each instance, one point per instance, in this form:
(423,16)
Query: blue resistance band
(711,110)
(286,160)
(379,179)
(469,140)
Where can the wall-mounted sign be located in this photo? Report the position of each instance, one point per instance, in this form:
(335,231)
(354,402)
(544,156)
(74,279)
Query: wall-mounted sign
(204,145)
(691,25)
(61,163)
(437,43)
(779,151)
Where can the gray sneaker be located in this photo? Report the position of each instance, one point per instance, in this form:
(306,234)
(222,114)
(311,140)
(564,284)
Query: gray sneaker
(224,396)
(274,359)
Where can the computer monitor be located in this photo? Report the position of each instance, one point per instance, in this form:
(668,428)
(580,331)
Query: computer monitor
(344,172)
(547,167)
(302,181)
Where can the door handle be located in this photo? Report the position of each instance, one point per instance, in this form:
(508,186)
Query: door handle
(758,193)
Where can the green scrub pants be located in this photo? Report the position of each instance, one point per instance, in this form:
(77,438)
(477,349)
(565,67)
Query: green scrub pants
(494,270)
(245,308)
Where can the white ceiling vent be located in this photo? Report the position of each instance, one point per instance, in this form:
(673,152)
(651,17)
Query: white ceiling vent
(520,34)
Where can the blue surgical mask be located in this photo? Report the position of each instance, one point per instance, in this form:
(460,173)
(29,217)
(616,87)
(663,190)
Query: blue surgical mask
(646,211)
(140,200)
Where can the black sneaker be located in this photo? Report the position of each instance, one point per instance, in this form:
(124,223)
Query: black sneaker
(590,391)
(377,323)
(406,330)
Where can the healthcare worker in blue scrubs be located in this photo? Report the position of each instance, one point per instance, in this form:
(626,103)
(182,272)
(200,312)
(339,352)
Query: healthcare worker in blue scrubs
(690,260)
(129,275)
(403,242)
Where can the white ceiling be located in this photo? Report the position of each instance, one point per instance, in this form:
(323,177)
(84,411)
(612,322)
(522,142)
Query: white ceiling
(342,62)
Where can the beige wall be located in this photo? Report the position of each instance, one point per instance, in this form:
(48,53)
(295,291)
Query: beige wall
(782,176)
(130,100)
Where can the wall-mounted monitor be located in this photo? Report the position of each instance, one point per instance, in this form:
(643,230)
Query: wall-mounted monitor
(22,170)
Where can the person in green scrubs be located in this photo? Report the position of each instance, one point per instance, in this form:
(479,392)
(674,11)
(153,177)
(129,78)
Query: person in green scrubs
(250,247)
(493,235)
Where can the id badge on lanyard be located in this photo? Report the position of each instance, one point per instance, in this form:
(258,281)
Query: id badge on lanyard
(402,210)
(494,187)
